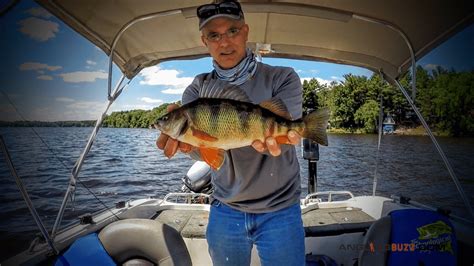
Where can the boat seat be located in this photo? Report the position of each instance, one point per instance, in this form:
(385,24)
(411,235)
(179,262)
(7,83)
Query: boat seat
(143,238)
(410,237)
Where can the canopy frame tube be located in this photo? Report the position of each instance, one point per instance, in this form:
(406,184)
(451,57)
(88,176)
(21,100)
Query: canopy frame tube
(111,99)
(78,165)
(113,96)
(123,29)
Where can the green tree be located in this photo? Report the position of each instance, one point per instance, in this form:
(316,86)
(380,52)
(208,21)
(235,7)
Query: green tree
(366,116)
(311,94)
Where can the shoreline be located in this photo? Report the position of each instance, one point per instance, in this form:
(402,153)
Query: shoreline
(402,131)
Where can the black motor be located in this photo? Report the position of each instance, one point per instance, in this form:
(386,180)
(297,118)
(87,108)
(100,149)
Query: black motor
(198,179)
(310,152)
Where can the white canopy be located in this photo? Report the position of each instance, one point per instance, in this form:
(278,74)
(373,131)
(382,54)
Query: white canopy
(369,33)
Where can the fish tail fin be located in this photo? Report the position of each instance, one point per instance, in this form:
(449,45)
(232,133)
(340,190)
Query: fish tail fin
(315,126)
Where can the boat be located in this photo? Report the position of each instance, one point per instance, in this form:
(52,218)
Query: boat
(387,37)
(388,125)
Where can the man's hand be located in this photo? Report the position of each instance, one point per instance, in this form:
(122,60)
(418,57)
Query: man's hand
(168,145)
(273,146)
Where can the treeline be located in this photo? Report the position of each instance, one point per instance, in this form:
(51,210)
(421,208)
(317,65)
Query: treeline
(445,99)
(84,123)
(134,118)
(123,119)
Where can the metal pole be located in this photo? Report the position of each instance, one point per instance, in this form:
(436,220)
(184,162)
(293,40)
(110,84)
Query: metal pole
(111,98)
(374,187)
(438,147)
(27,199)
(120,33)
(312,176)
(77,166)
(311,153)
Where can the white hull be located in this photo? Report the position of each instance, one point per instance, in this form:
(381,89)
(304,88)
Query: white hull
(333,228)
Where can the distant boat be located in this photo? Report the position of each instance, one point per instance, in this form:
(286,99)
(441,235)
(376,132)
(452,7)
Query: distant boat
(388,125)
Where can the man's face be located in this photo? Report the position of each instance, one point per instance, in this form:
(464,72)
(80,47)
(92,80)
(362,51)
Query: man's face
(228,51)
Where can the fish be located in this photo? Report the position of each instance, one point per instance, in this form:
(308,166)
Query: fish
(433,230)
(224,118)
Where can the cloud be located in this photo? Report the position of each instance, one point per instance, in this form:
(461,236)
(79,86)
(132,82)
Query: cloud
(90,62)
(150,100)
(39,29)
(64,99)
(126,107)
(75,110)
(39,12)
(323,81)
(431,66)
(86,105)
(83,76)
(173,91)
(45,77)
(166,77)
(37,66)
(84,110)
(320,80)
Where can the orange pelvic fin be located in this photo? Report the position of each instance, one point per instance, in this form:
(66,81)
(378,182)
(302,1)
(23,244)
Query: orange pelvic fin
(202,135)
(213,157)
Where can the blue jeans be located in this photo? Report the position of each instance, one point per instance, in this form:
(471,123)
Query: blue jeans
(278,236)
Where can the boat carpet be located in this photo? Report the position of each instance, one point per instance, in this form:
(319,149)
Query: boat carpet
(190,223)
(317,222)
(335,221)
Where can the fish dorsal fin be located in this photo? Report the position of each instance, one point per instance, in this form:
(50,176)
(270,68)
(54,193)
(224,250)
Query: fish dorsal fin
(219,89)
(276,106)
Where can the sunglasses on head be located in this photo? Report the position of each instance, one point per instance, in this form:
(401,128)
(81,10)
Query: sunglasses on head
(209,10)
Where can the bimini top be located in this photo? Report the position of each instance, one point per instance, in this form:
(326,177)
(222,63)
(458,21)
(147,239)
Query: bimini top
(373,34)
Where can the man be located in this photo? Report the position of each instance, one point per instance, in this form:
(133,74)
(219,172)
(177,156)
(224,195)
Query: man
(257,190)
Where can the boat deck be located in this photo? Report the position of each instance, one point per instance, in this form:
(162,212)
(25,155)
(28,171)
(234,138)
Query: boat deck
(317,221)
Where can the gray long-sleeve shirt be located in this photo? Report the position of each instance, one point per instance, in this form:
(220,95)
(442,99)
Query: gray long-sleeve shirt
(248,180)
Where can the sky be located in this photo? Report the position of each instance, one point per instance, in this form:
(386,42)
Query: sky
(51,73)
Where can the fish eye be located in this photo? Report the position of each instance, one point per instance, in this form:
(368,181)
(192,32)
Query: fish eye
(165,118)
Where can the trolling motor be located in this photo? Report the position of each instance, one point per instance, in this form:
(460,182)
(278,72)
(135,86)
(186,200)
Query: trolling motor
(311,154)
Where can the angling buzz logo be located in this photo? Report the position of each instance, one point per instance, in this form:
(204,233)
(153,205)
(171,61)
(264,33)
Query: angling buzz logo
(431,237)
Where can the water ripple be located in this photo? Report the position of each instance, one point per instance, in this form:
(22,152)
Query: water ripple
(125,164)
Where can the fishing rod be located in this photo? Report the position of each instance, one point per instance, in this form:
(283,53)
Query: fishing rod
(56,157)
(27,199)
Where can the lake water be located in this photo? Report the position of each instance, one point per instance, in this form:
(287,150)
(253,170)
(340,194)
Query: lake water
(125,164)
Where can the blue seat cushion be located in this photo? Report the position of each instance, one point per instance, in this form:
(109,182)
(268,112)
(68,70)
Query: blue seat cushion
(421,237)
(86,250)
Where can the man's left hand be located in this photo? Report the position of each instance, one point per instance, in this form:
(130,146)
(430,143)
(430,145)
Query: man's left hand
(272,145)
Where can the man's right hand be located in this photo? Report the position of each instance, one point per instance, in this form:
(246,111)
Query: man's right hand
(169,145)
